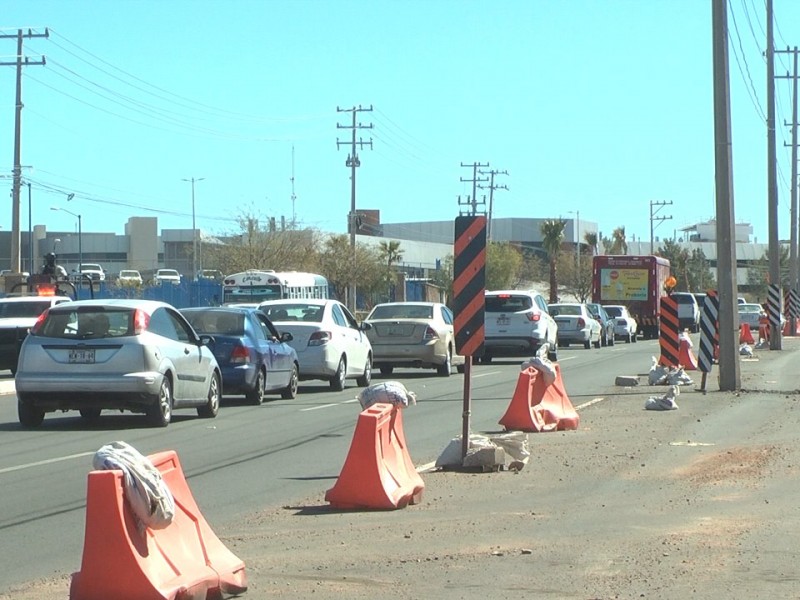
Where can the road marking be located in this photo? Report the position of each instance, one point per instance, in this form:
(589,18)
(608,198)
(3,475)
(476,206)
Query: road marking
(567,358)
(320,406)
(49,461)
(589,403)
(485,374)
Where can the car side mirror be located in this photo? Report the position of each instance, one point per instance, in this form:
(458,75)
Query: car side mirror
(207,340)
(365,326)
(286,336)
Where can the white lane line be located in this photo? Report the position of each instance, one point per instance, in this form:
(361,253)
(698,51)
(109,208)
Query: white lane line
(320,406)
(49,461)
(485,374)
(589,403)
(567,358)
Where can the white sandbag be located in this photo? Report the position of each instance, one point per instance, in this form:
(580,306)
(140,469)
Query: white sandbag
(386,392)
(145,490)
(543,365)
(746,350)
(665,402)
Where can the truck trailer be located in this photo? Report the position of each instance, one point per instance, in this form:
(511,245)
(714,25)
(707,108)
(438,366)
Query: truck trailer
(633,281)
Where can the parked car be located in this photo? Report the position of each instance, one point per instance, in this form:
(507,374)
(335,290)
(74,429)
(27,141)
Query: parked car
(91,271)
(210,275)
(688,311)
(129,277)
(751,314)
(163,276)
(625,327)
(17,315)
(329,341)
(607,336)
(575,324)
(254,358)
(518,323)
(413,334)
(135,355)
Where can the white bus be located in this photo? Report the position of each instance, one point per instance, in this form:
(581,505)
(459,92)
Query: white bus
(254,286)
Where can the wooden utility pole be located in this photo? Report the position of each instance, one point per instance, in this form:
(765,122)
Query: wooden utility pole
(491,187)
(772,191)
(473,200)
(353,162)
(17,172)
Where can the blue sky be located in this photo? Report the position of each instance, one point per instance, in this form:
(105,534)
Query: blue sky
(593,107)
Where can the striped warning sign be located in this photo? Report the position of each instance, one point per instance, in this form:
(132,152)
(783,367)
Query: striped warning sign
(709,331)
(469,284)
(668,336)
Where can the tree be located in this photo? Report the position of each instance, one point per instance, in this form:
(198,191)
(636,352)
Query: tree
(758,274)
(692,270)
(443,277)
(552,238)
(390,253)
(575,276)
(590,237)
(503,263)
(618,243)
(336,262)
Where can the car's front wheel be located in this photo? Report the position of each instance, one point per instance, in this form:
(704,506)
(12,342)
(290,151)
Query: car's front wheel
(338,379)
(90,414)
(210,409)
(387,369)
(159,413)
(29,415)
(364,380)
(256,395)
(290,391)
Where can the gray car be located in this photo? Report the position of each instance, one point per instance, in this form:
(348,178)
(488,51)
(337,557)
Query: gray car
(136,355)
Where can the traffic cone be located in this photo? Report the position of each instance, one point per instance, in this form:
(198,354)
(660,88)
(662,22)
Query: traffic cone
(745,335)
(686,357)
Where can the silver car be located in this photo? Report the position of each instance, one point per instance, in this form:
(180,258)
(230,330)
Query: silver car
(576,325)
(135,355)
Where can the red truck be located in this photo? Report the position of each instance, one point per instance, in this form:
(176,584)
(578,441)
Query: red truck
(633,281)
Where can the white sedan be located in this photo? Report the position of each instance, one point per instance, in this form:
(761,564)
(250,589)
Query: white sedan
(575,324)
(625,327)
(329,342)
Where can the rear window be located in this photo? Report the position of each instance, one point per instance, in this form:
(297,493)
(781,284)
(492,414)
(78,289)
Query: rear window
(684,298)
(402,311)
(19,310)
(508,303)
(614,311)
(293,312)
(216,321)
(565,309)
(87,324)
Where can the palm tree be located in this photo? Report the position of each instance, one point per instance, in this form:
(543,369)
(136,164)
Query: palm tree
(390,253)
(618,245)
(590,237)
(552,238)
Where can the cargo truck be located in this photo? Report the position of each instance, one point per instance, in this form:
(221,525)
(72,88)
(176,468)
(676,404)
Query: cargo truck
(633,281)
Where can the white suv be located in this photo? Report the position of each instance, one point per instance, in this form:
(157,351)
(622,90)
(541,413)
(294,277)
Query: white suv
(167,276)
(91,271)
(518,323)
(688,311)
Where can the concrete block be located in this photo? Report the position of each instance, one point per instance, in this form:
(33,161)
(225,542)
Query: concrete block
(627,380)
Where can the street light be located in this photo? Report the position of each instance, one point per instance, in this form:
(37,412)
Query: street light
(80,237)
(194,231)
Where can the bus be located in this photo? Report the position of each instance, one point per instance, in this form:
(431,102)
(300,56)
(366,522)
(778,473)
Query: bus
(254,286)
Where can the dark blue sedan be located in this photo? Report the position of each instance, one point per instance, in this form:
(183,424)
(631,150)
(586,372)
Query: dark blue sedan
(254,358)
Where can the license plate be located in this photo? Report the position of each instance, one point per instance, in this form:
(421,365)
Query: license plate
(502,321)
(81,356)
(395,331)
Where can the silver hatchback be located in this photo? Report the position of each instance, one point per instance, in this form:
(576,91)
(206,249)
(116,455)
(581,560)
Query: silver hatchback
(135,355)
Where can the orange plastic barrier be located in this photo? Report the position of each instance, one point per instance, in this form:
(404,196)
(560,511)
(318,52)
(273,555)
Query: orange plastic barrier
(745,335)
(184,561)
(378,471)
(686,357)
(536,406)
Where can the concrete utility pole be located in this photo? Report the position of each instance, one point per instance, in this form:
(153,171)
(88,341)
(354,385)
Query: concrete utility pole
(17,172)
(473,201)
(353,162)
(660,204)
(729,373)
(194,230)
(793,266)
(772,180)
(491,187)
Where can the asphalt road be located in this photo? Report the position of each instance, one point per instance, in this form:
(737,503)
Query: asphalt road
(255,459)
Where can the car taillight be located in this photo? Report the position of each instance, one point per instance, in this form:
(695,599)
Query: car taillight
(319,338)
(581,323)
(240,355)
(430,333)
(39,320)
(140,321)
(533,316)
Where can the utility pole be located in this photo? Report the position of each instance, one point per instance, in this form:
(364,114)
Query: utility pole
(353,162)
(729,373)
(793,266)
(17,172)
(660,204)
(473,201)
(491,187)
(772,189)
(294,197)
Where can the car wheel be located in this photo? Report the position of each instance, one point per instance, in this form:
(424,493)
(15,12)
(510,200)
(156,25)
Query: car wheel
(387,369)
(290,391)
(29,415)
(446,368)
(461,369)
(486,359)
(338,379)
(90,414)
(364,380)
(552,353)
(160,411)
(633,337)
(587,344)
(611,340)
(256,395)
(603,340)
(210,409)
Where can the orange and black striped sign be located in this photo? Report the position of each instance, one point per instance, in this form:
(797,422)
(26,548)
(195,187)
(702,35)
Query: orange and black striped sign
(469,284)
(668,337)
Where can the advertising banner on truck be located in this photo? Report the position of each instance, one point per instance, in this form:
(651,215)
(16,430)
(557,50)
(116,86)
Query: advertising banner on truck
(620,285)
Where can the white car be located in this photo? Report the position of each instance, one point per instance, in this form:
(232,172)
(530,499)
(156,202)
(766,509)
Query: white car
(576,325)
(17,315)
(518,323)
(329,342)
(91,271)
(625,327)
(167,276)
(129,277)
(688,311)
(751,314)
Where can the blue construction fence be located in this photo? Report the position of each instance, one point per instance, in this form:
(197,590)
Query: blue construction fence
(186,294)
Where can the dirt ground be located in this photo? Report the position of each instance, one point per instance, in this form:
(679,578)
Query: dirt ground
(694,503)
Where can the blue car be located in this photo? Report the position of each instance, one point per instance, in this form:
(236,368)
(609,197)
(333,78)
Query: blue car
(254,358)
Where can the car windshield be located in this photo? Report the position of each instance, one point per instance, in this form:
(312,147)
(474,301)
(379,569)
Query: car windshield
(17,310)
(508,303)
(216,321)
(167,273)
(614,311)
(749,308)
(87,324)
(402,311)
(129,274)
(293,312)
